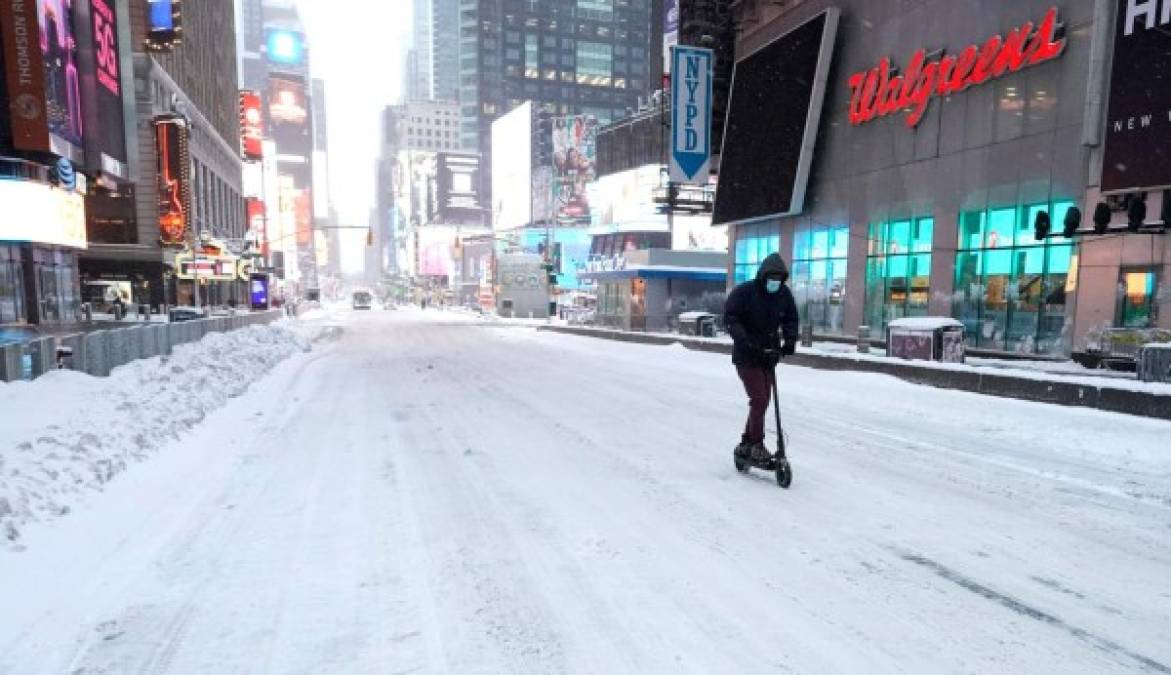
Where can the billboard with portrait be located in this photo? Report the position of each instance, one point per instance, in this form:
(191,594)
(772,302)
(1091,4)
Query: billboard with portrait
(59,54)
(575,146)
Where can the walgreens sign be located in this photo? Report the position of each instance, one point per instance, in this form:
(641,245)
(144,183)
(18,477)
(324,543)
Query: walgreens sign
(883,90)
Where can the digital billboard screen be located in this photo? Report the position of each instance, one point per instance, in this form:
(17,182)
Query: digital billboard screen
(285,47)
(512,170)
(174,178)
(102,87)
(62,77)
(251,126)
(772,122)
(575,152)
(458,184)
(1138,129)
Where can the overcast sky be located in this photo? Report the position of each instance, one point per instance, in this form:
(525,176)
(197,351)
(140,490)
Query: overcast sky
(356,47)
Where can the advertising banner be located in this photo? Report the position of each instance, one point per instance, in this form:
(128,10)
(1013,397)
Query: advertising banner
(512,177)
(458,182)
(691,115)
(62,80)
(670,32)
(24,75)
(575,146)
(436,251)
(251,126)
(1138,128)
(174,178)
(164,24)
(255,211)
(101,87)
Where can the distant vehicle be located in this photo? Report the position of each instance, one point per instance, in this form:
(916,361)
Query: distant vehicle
(362,300)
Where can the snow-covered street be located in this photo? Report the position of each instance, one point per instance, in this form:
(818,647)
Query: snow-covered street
(438,493)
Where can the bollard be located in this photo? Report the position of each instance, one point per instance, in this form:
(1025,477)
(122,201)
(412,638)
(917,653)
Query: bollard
(44,355)
(76,343)
(94,348)
(11,363)
(863,339)
(807,335)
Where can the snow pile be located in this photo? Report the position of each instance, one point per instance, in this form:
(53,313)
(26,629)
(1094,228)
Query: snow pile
(67,433)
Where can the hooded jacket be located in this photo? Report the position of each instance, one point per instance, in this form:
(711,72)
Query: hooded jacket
(757,319)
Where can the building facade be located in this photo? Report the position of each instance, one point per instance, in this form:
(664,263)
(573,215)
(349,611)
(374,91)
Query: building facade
(588,57)
(946,134)
(196,80)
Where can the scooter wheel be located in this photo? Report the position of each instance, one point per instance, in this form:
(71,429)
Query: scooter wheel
(741,465)
(784,473)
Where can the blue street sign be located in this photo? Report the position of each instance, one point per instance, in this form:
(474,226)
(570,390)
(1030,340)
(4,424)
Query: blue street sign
(691,114)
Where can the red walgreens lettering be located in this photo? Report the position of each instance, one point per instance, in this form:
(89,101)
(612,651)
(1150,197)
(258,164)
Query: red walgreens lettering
(875,93)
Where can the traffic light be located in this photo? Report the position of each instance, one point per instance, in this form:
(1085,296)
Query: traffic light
(1073,220)
(1042,225)
(370,237)
(1101,217)
(543,141)
(1136,211)
(550,273)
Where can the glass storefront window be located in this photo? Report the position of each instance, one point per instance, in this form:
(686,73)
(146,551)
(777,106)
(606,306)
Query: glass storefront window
(898,271)
(1000,227)
(11,286)
(1136,306)
(753,244)
(819,275)
(1010,290)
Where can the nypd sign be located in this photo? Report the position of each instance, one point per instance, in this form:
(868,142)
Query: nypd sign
(691,114)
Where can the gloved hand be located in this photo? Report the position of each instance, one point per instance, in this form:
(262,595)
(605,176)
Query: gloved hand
(789,348)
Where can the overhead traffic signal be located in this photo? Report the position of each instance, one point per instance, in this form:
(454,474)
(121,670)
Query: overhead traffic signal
(1042,225)
(1073,220)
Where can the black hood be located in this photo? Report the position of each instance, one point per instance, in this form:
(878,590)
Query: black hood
(773,264)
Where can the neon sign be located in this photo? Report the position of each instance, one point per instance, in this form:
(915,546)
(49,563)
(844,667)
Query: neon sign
(882,91)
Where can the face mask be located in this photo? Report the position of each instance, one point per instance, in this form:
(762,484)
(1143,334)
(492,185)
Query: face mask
(772,285)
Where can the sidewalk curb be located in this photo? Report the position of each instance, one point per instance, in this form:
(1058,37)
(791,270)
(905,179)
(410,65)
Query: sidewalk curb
(1109,399)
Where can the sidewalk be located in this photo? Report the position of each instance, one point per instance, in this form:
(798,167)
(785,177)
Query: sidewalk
(1055,383)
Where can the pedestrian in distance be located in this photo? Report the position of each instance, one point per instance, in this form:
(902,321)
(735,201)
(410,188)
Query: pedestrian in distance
(761,317)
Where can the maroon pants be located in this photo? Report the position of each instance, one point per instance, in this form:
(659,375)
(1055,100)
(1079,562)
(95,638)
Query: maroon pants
(758,383)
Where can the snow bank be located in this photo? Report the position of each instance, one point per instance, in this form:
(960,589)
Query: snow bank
(67,433)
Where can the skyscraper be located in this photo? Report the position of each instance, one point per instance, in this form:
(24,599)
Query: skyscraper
(587,57)
(445,54)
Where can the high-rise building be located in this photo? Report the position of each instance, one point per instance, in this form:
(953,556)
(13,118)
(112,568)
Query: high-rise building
(588,57)
(445,54)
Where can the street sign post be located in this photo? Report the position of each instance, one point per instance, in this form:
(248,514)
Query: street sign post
(691,114)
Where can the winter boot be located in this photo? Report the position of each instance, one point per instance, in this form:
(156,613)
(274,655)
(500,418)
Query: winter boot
(760,454)
(744,450)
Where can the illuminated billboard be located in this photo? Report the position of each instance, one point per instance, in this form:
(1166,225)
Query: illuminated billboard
(287,103)
(575,151)
(285,47)
(39,213)
(62,78)
(457,182)
(255,211)
(174,178)
(251,126)
(24,77)
(101,87)
(512,170)
(164,24)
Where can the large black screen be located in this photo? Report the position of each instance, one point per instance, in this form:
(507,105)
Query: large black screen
(772,123)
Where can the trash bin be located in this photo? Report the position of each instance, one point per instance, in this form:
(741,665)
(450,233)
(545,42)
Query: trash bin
(926,339)
(702,324)
(1153,362)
